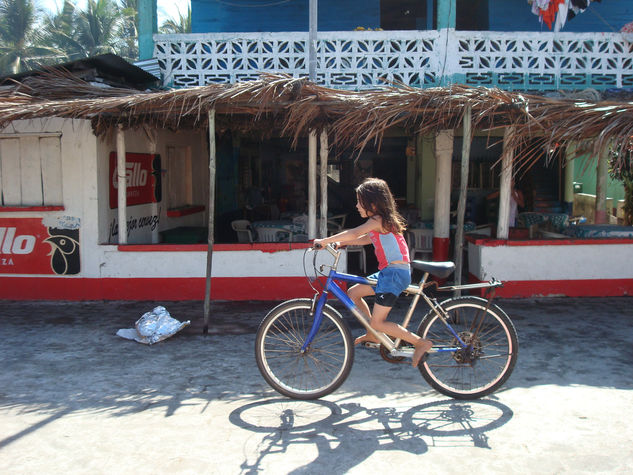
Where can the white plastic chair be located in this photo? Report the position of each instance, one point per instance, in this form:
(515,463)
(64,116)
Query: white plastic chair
(272,234)
(243,229)
(336,223)
(420,242)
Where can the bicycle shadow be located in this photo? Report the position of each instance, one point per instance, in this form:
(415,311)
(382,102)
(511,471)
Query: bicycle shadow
(347,434)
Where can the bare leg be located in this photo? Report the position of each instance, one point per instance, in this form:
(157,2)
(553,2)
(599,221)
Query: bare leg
(380,323)
(356,293)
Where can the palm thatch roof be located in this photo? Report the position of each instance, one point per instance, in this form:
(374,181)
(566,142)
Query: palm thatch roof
(291,107)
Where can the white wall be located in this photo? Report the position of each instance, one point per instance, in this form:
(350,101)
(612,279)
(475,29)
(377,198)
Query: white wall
(247,263)
(551,262)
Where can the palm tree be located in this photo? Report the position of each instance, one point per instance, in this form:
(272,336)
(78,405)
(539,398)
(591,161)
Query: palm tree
(97,27)
(20,43)
(128,30)
(180,25)
(60,31)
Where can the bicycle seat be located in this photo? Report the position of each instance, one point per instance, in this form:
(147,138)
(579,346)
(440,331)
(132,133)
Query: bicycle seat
(440,270)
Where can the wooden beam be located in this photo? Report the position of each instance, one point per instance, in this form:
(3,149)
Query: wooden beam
(601,216)
(312,166)
(505,186)
(121,184)
(212,165)
(463,192)
(323,154)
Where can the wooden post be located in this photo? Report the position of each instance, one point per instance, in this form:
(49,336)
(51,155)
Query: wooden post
(312,166)
(121,184)
(601,188)
(323,154)
(505,186)
(442,209)
(207,290)
(152,136)
(463,191)
(570,154)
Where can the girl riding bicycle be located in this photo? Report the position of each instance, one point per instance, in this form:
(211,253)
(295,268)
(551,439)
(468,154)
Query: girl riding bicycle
(383,229)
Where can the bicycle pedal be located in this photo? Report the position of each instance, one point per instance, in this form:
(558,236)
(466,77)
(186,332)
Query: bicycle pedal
(371,345)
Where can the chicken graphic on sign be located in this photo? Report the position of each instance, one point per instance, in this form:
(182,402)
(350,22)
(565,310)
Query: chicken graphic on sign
(64,250)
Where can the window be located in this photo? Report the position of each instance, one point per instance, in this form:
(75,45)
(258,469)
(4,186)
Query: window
(30,170)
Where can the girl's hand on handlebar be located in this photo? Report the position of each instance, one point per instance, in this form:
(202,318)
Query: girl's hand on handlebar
(318,244)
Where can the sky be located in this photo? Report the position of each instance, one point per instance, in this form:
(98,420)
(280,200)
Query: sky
(166,8)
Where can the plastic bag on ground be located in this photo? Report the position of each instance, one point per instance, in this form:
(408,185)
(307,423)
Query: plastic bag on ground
(153,327)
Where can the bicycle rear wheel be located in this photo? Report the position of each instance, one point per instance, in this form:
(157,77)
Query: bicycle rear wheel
(318,371)
(489,359)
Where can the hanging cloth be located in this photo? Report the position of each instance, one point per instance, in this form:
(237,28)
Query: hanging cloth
(578,6)
(561,18)
(549,15)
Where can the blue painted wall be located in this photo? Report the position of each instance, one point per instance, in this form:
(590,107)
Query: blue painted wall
(210,16)
(344,15)
(516,15)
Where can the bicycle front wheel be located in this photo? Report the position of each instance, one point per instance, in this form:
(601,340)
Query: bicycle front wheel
(487,361)
(317,371)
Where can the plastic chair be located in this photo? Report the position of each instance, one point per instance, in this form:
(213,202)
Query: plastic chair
(420,242)
(336,223)
(243,229)
(273,234)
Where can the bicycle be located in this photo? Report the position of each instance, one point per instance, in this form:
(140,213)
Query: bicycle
(304,348)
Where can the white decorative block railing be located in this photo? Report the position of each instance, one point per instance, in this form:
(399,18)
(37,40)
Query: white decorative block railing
(365,59)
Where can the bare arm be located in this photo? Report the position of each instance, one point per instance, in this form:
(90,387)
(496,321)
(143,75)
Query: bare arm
(352,237)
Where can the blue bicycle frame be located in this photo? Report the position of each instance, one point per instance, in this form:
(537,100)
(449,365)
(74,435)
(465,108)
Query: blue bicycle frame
(332,288)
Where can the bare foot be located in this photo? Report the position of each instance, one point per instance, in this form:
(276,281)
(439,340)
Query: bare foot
(420,349)
(365,339)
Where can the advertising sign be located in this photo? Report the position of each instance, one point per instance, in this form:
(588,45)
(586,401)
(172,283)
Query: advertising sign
(29,247)
(142,173)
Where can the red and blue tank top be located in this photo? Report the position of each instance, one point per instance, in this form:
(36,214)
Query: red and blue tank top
(389,247)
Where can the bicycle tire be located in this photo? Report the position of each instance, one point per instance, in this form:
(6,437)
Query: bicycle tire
(318,371)
(469,374)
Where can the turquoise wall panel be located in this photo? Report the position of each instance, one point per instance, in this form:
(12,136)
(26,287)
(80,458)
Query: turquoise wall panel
(211,16)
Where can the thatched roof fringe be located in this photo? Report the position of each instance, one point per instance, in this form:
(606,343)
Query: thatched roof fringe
(354,119)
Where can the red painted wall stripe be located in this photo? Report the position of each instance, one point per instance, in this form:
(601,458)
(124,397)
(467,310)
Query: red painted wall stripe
(257,288)
(564,288)
(222,288)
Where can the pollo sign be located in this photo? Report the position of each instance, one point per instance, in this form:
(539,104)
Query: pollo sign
(142,177)
(29,247)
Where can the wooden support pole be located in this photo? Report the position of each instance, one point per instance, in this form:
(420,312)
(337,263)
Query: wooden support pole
(570,154)
(463,191)
(505,186)
(212,165)
(121,184)
(312,166)
(601,216)
(323,156)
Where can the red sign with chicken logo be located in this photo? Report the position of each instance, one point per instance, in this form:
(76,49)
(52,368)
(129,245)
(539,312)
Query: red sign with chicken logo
(29,247)
(142,175)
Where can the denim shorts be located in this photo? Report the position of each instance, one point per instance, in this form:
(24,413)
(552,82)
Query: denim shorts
(393,279)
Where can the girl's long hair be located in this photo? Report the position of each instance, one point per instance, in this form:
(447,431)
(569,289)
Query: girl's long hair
(375,196)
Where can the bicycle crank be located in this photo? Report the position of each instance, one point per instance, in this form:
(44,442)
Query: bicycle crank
(391,358)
